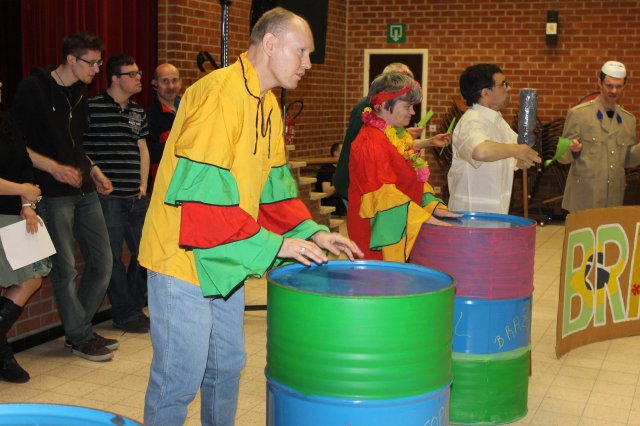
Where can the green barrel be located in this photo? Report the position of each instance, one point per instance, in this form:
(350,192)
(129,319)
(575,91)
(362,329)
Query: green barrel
(360,330)
(490,389)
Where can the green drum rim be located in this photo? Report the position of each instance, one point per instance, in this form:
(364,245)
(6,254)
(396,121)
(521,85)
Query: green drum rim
(490,389)
(367,347)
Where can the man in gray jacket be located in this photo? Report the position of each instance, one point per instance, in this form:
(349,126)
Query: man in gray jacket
(603,143)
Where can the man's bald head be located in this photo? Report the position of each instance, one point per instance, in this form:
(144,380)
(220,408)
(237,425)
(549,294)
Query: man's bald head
(166,81)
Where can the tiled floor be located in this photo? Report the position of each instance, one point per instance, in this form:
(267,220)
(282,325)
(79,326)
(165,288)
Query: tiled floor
(593,385)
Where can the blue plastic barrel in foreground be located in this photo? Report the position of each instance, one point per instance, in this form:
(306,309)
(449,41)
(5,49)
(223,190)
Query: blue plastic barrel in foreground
(58,415)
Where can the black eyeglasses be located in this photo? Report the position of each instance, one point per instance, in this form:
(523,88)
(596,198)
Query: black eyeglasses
(503,83)
(90,63)
(131,74)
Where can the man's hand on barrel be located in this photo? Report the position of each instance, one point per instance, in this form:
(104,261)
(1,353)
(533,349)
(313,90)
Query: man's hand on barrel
(301,250)
(305,251)
(337,243)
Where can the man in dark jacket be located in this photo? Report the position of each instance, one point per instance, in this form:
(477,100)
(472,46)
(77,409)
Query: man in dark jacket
(162,111)
(50,108)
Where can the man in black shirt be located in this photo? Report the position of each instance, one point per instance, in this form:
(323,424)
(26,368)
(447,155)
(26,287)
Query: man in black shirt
(50,108)
(116,141)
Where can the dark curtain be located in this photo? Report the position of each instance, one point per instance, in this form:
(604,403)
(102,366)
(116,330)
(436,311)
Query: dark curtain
(125,26)
(9,49)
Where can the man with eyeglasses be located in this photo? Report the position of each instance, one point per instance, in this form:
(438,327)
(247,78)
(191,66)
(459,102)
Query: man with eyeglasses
(485,148)
(116,142)
(603,144)
(50,107)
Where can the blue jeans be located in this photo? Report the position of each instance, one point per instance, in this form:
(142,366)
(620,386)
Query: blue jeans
(70,219)
(198,343)
(128,286)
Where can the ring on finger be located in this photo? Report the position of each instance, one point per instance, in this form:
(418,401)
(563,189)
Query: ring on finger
(302,249)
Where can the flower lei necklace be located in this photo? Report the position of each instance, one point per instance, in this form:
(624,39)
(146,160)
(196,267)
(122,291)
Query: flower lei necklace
(401,140)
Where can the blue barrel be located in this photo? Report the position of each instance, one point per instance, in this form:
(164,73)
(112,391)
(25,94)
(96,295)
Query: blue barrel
(59,415)
(285,406)
(490,326)
(358,343)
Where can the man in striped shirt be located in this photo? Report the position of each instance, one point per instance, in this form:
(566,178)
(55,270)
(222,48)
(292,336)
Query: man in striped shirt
(116,142)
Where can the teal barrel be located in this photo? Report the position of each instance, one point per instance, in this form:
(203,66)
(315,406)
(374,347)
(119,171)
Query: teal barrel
(346,332)
(58,415)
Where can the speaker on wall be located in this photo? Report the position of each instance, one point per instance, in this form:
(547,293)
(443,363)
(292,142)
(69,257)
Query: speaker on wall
(315,12)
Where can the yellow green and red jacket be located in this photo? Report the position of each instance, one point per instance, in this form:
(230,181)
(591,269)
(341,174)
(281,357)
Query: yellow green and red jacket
(387,203)
(224,197)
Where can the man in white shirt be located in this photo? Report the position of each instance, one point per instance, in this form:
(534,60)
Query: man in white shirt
(485,148)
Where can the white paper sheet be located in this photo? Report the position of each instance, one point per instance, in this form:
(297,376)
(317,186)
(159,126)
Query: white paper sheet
(22,248)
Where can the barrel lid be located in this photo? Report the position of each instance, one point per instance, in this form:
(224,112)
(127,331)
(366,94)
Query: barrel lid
(361,278)
(488,221)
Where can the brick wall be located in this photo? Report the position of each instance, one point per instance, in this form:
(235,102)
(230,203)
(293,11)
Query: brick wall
(188,26)
(511,34)
(457,33)
(40,315)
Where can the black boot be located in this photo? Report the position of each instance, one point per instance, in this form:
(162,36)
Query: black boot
(10,370)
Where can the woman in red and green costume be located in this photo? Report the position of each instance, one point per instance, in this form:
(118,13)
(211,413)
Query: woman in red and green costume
(389,194)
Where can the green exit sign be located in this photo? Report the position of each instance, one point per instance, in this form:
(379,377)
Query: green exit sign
(396,33)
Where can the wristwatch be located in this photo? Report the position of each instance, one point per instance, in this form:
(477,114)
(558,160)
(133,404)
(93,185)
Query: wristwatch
(32,205)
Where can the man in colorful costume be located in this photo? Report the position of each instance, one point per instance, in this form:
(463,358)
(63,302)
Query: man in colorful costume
(389,196)
(224,208)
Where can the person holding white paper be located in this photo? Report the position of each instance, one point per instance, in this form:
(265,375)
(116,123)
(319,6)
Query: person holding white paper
(18,199)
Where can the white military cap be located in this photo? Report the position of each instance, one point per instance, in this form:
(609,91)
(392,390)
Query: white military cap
(614,69)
